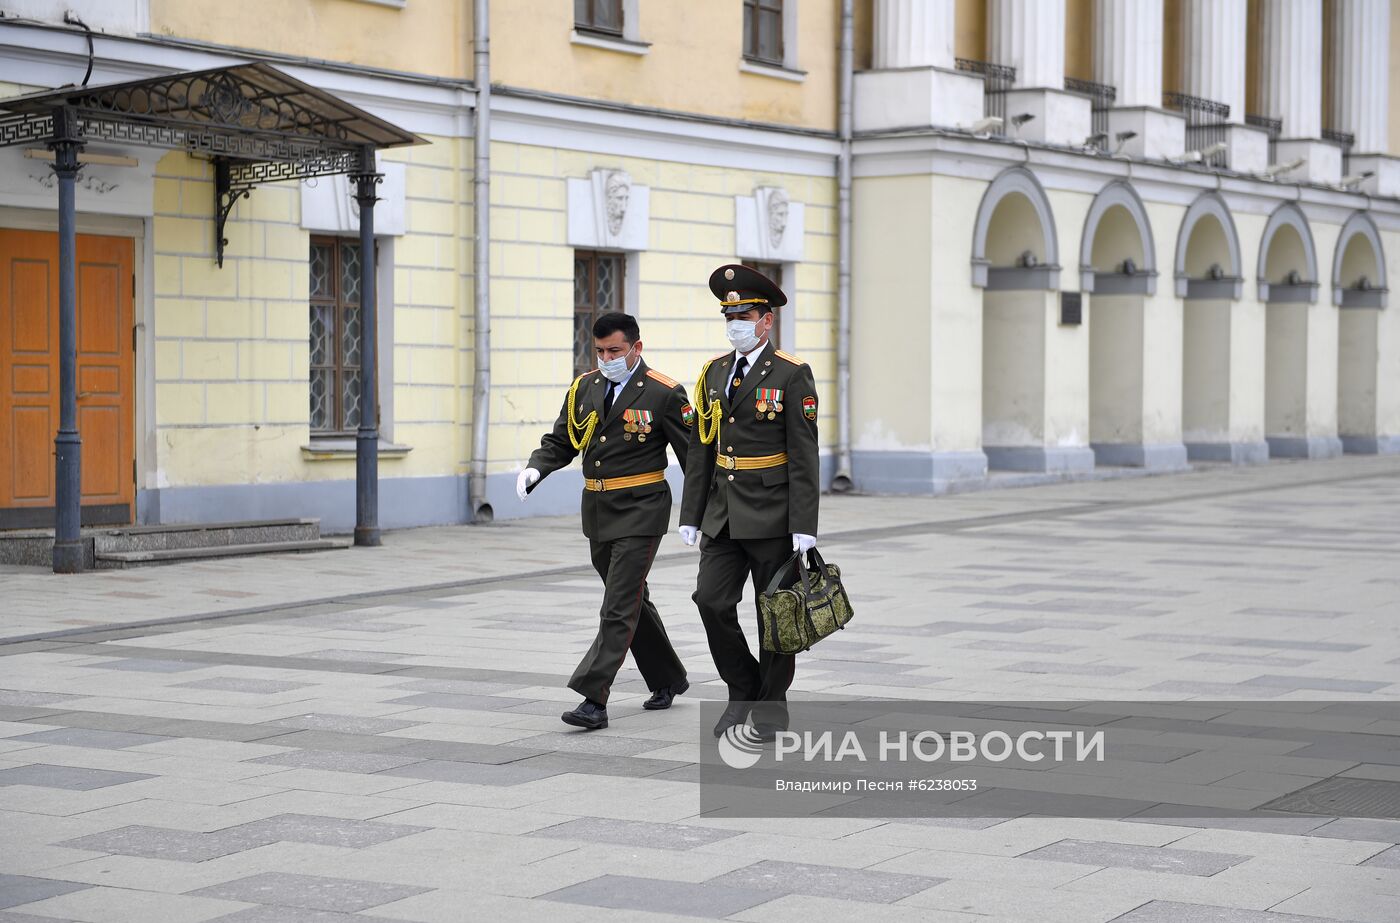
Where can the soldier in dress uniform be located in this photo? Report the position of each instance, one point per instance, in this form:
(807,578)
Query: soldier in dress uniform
(752,486)
(620,418)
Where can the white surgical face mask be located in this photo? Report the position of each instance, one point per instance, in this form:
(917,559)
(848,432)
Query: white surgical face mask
(615,370)
(741,334)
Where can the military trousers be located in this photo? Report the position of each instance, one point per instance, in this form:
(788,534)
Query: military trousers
(626,621)
(725,563)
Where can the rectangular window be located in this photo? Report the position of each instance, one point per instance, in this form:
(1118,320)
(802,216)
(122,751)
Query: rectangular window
(773,271)
(598,279)
(763,31)
(335,336)
(599,16)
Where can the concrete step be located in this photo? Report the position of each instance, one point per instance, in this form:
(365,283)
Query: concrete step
(145,557)
(205,535)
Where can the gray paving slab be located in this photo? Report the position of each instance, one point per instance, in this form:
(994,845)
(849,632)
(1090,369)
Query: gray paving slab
(147,665)
(473,773)
(174,845)
(454,700)
(336,761)
(1178,912)
(82,737)
(1129,856)
(1386,859)
(269,914)
(18,890)
(635,833)
(245,685)
(311,892)
(70,778)
(349,724)
(826,881)
(621,892)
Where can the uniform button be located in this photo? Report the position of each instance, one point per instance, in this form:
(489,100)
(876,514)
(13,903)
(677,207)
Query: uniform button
(729,448)
(602,438)
(597,464)
(731,477)
(731,419)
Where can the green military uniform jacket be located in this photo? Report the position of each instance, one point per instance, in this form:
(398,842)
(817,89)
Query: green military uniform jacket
(760,503)
(614,452)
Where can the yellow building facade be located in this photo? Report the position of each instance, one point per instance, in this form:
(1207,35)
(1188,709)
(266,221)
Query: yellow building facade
(633,147)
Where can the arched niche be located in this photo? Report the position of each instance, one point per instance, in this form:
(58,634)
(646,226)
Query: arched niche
(1014,244)
(1208,262)
(1117,253)
(1287,258)
(1358,267)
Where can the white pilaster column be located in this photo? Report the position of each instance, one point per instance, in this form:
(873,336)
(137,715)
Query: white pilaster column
(1213,40)
(1029,35)
(914,33)
(1360,77)
(1291,64)
(1128,49)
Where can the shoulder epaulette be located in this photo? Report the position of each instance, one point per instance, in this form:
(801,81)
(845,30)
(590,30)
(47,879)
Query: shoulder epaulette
(666,380)
(727,352)
(788,356)
(586,374)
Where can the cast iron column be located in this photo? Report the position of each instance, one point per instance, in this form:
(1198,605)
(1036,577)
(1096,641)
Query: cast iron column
(68,485)
(367,436)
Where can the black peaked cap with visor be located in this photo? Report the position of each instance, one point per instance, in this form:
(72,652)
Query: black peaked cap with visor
(740,288)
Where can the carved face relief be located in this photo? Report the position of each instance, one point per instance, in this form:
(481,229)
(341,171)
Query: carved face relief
(617,190)
(777,217)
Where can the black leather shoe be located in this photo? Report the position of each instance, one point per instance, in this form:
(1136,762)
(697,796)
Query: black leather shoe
(662,697)
(734,713)
(767,733)
(589,716)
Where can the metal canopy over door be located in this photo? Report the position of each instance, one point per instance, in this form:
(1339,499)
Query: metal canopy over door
(29,360)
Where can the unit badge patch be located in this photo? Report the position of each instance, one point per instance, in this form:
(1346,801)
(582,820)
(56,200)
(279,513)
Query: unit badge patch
(809,407)
(688,415)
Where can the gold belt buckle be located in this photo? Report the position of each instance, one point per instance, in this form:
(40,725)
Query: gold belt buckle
(728,462)
(595,484)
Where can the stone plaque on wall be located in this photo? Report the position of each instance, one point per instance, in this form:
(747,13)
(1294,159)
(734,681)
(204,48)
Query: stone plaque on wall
(328,203)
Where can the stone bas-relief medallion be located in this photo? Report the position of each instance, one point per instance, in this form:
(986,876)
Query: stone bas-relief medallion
(608,210)
(769,226)
(617,189)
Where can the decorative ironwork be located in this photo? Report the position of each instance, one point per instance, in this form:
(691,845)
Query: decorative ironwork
(1343,139)
(226,193)
(1273,126)
(258,125)
(1207,124)
(996,80)
(24,129)
(1101,98)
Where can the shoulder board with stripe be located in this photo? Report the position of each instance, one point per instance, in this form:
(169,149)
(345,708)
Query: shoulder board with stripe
(788,356)
(666,380)
(586,374)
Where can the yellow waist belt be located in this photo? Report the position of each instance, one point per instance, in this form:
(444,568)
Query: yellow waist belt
(735,463)
(631,480)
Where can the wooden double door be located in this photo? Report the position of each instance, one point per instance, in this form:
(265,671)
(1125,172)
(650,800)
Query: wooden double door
(29,381)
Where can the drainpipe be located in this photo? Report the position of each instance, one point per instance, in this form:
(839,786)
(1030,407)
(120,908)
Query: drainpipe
(842,481)
(481,391)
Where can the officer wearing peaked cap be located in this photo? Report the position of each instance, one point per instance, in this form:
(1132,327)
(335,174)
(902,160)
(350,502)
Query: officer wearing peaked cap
(620,418)
(752,486)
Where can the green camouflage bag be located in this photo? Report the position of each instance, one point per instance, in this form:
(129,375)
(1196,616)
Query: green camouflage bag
(813,607)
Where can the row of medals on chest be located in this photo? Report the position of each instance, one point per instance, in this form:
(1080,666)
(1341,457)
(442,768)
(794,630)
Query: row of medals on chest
(765,408)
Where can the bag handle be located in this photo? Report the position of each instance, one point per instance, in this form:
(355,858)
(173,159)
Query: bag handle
(781,571)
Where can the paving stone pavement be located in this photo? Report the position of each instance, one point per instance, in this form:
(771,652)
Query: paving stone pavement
(373,735)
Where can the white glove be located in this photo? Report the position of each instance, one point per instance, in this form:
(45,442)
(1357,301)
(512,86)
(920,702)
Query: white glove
(690,534)
(527,477)
(803,543)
